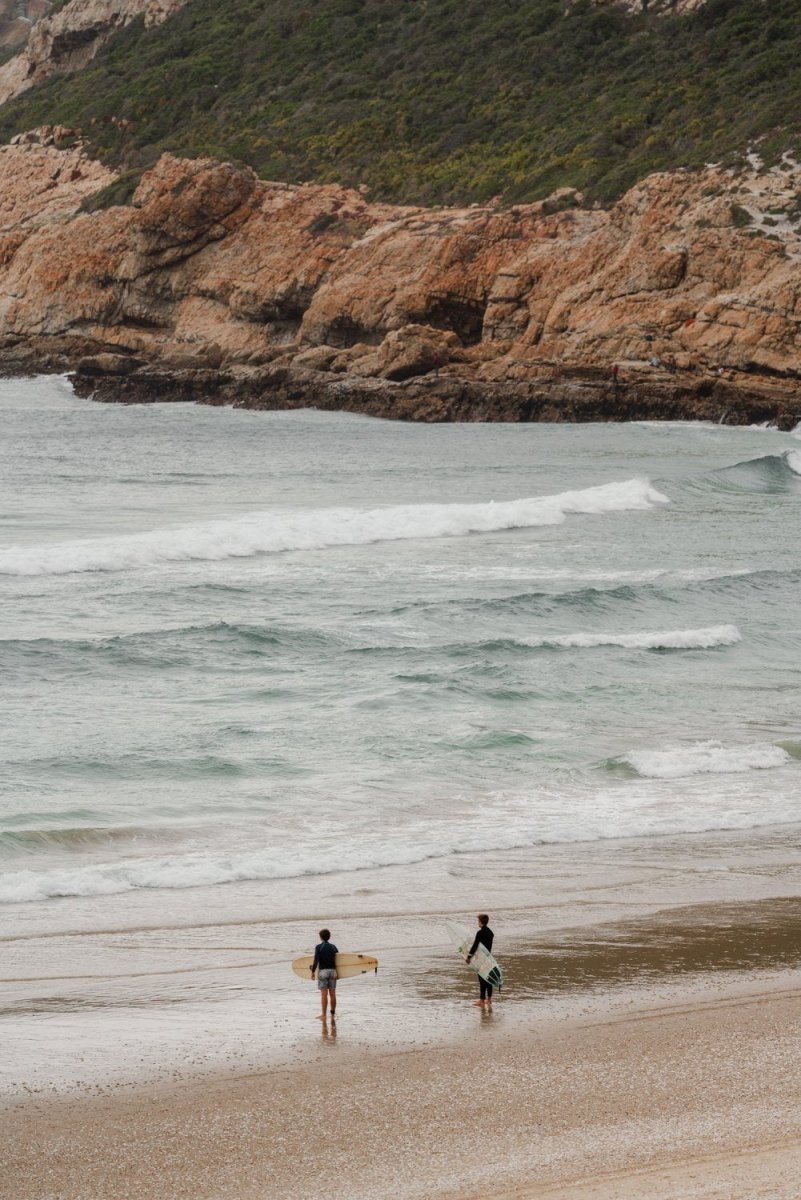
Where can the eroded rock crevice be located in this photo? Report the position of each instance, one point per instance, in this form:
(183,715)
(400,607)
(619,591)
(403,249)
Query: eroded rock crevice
(459,315)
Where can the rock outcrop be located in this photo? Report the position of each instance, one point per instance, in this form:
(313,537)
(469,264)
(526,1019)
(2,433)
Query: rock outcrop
(43,185)
(660,7)
(684,298)
(17,17)
(71,37)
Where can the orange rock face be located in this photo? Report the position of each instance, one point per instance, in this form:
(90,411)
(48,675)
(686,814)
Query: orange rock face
(687,272)
(70,38)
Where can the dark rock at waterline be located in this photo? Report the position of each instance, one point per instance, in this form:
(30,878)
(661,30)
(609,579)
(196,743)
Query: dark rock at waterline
(567,397)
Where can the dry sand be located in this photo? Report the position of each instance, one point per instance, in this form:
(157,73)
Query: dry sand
(693,1099)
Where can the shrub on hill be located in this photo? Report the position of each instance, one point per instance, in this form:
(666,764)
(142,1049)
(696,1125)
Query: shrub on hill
(440,100)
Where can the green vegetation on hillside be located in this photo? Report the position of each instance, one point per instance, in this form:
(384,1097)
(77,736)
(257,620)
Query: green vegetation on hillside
(440,100)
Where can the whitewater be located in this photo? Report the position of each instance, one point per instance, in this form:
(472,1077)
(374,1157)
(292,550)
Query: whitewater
(239,647)
(273,533)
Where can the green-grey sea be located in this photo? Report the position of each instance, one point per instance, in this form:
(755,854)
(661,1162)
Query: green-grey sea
(246,646)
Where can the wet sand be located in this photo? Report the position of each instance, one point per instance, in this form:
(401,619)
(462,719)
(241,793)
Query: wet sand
(668,1101)
(646,1044)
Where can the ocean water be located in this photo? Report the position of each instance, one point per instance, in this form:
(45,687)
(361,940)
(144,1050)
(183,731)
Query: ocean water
(251,647)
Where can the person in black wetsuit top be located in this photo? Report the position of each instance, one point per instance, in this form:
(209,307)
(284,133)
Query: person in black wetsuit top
(325,964)
(484,937)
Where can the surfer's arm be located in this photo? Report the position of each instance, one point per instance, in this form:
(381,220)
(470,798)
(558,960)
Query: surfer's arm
(313,967)
(473,948)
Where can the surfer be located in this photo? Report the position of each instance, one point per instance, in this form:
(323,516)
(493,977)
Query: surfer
(484,937)
(325,955)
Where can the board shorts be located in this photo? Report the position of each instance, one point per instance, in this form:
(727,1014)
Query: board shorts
(327,978)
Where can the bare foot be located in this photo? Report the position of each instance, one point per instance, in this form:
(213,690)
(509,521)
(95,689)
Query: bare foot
(478,1004)
(321,1018)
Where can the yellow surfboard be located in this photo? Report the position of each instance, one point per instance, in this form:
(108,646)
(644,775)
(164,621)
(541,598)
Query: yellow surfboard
(348,965)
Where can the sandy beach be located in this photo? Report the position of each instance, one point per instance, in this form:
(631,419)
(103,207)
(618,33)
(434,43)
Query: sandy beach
(698,1099)
(642,1050)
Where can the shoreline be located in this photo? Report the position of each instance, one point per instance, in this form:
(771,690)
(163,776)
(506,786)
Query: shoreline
(570,394)
(138,988)
(645,1044)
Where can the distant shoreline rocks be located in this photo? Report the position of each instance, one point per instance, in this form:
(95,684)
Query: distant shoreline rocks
(214,286)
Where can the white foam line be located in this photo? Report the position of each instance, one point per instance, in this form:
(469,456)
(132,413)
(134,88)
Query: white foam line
(705,758)
(672,639)
(279,531)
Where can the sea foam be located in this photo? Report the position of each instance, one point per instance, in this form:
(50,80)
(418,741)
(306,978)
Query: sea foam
(671,639)
(704,758)
(793,460)
(505,822)
(278,531)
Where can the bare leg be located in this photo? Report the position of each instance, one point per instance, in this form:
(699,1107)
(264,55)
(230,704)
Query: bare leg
(333,1002)
(324,1003)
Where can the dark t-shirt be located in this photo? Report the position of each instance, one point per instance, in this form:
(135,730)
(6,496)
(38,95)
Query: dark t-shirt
(484,937)
(325,956)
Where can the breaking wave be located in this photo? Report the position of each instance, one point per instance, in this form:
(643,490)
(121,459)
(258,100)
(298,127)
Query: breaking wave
(703,758)
(589,819)
(276,532)
(671,639)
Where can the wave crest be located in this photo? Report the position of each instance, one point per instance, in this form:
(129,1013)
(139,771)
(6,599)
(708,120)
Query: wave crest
(770,473)
(671,639)
(77,838)
(703,758)
(277,532)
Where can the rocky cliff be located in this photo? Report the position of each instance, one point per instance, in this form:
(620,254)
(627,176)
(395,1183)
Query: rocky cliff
(71,37)
(17,18)
(683,299)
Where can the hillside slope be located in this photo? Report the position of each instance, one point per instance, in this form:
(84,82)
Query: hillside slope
(440,101)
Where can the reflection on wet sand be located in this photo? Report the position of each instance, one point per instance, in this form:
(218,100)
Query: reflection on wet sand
(154,996)
(683,941)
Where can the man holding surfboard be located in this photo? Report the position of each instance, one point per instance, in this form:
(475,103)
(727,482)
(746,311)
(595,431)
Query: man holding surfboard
(478,957)
(325,964)
(331,965)
(485,938)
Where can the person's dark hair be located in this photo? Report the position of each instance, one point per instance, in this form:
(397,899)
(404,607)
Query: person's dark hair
(325,935)
(483,918)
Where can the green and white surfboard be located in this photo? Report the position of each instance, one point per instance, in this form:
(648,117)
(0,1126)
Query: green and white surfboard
(482,961)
